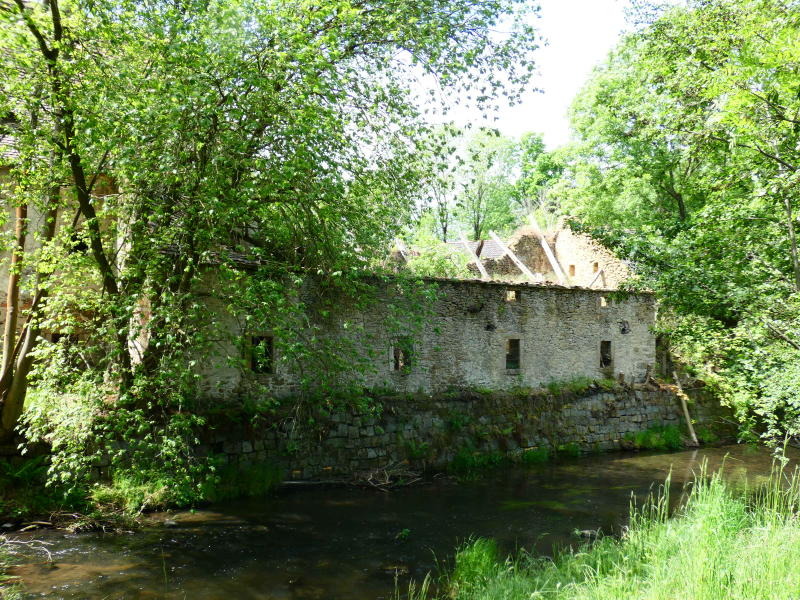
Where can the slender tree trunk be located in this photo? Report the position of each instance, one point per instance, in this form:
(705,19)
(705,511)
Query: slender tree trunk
(787,204)
(14,381)
(12,296)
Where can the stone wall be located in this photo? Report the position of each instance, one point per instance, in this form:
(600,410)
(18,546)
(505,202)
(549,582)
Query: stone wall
(588,258)
(462,341)
(428,432)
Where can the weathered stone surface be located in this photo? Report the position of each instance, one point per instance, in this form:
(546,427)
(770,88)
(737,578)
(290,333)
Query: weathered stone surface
(429,434)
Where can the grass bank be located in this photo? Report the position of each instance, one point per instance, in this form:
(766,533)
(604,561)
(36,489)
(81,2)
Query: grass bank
(723,544)
(8,588)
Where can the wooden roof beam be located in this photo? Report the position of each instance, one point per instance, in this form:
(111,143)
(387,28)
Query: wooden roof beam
(475,258)
(507,251)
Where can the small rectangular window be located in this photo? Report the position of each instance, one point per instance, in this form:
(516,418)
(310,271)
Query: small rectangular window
(595,267)
(262,354)
(512,354)
(401,354)
(605,354)
(512,295)
(603,302)
(572,270)
(399,359)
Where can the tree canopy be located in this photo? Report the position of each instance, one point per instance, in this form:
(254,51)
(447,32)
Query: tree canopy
(164,137)
(687,162)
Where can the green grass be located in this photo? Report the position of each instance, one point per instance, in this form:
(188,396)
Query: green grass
(579,385)
(571,449)
(722,544)
(534,456)
(9,590)
(660,437)
(469,463)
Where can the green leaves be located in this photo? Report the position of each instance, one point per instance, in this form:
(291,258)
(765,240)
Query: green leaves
(688,147)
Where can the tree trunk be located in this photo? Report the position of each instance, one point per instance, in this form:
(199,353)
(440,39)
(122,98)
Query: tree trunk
(12,296)
(787,204)
(14,381)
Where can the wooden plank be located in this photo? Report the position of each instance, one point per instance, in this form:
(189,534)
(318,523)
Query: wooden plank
(599,273)
(475,258)
(682,396)
(506,250)
(562,279)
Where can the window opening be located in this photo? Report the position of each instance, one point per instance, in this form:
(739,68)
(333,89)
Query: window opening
(603,302)
(595,267)
(512,354)
(605,354)
(572,270)
(512,295)
(262,354)
(400,359)
(401,354)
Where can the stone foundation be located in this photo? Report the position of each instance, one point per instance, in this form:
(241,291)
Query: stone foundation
(428,432)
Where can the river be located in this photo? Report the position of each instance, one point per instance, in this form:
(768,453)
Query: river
(338,543)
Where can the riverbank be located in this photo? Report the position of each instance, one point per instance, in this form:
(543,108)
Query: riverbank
(724,543)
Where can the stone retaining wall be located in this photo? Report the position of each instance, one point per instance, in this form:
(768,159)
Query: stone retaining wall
(428,432)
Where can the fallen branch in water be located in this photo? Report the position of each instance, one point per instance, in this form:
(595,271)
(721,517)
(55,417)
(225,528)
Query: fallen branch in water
(391,476)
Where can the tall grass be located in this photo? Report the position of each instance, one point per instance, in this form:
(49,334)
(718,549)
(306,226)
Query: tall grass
(722,544)
(8,588)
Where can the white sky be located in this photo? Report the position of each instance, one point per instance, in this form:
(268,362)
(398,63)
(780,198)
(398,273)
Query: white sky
(580,33)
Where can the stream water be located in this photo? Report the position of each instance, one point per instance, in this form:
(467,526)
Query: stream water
(345,543)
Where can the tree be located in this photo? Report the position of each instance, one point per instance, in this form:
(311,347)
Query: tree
(540,170)
(280,133)
(486,184)
(690,152)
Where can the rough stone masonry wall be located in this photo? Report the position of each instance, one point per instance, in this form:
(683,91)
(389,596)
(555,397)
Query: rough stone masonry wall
(463,342)
(429,432)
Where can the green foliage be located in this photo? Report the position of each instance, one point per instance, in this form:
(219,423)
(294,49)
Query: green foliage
(243,480)
(580,385)
(22,489)
(658,437)
(475,565)
(132,494)
(468,463)
(455,421)
(686,164)
(722,544)
(417,450)
(261,145)
(8,588)
(706,435)
(484,201)
(572,449)
(534,456)
(432,258)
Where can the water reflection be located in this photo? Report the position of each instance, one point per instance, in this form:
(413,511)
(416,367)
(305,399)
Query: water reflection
(342,543)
